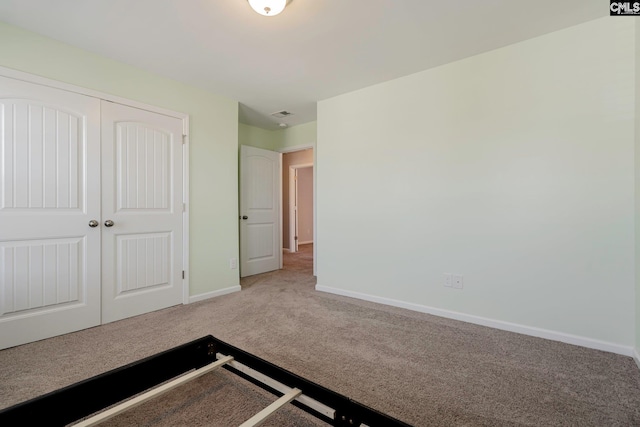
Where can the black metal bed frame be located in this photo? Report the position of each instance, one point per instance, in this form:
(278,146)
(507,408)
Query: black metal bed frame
(84,398)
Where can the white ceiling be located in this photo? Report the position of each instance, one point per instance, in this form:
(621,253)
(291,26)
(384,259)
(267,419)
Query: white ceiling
(314,50)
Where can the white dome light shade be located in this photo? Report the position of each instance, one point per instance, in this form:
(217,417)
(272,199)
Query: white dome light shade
(268,7)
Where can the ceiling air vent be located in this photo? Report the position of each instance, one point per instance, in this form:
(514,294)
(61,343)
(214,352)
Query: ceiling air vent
(281,114)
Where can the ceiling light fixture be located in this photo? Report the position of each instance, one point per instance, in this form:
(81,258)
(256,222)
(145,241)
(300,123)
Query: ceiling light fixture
(268,7)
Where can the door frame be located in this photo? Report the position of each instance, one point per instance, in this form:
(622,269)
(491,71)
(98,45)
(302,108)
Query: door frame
(315,192)
(32,78)
(293,212)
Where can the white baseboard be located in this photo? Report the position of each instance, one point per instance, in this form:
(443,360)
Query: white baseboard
(213,294)
(305,243)
(286,250)
(497,324)
(636,357)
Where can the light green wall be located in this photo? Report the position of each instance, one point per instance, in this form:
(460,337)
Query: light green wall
(277,140)
(257,137)
(514,168)
(304,134)
(213,140)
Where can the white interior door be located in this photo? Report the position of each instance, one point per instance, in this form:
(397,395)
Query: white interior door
(49,192)
(260,186)
(142,211)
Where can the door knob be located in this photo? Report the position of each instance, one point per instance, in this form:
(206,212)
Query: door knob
(245,217)
(108,223)
(93,223)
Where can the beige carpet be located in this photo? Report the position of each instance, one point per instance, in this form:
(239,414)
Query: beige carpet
(425,370)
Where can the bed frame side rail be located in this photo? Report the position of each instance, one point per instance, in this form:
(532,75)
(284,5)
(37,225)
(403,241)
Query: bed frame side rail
(79,400)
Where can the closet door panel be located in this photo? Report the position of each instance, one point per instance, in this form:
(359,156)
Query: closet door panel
(143,197)
(49,191)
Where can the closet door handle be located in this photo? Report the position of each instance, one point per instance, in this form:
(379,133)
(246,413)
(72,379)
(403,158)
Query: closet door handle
(93,223)
(108,223)
(245,217)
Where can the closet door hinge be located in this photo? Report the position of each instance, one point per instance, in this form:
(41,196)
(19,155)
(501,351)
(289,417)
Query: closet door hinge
(184,139)
(183,274)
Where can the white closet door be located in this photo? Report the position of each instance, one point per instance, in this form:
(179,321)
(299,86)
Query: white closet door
(143,197)
(49,192)
(260,184)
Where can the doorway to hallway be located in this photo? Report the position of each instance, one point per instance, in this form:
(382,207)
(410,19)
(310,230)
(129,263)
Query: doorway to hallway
(300,261)
(298,201)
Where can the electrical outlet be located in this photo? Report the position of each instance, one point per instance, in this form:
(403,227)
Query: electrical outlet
(448,280)
(233,263)
(458,281)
